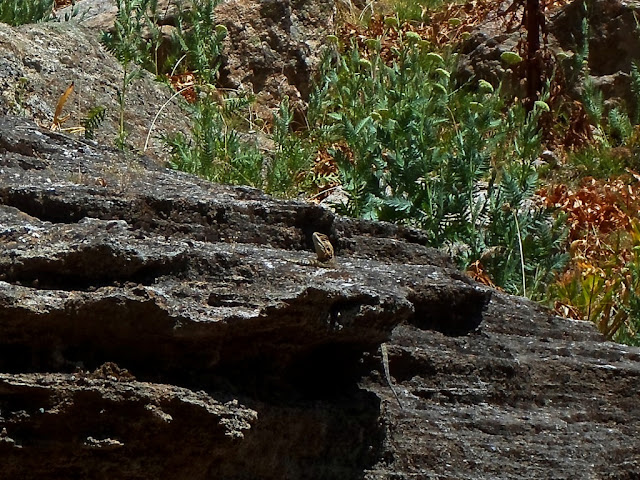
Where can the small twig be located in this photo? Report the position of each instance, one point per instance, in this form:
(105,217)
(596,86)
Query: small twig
(173,71)
(369,5)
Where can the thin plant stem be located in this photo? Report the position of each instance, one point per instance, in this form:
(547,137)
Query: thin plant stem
(146,143)
(524,281)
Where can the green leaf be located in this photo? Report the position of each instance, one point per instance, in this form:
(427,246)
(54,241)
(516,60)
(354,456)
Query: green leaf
(361,124)
(510,58)
(399,204)
(542,106)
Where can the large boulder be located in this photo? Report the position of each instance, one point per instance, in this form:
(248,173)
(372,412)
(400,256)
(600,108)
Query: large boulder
(154,325)
(275,46)
(613,43)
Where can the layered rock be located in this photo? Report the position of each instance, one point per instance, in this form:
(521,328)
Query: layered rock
(154,325)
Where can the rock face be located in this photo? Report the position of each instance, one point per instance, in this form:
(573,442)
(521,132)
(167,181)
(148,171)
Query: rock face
(613,40)
(38,63)
(154,325)
(273,47)
(612,33)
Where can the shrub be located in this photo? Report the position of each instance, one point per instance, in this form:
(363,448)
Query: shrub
(215,151)
(455,162)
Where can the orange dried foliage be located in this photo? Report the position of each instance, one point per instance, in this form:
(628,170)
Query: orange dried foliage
(440,31)
(597,206)
(445,25)
(58,120)
(62,3)
(185,81)
(567,311)
(602,220)
(325,166)
(479,274)
(324,163)
(388,37)
(576,131)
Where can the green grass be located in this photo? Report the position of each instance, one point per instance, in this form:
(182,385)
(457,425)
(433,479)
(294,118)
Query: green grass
(20,12)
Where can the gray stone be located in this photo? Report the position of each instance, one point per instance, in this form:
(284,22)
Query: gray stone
(244,360)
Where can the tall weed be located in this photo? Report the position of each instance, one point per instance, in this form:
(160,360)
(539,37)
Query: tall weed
(215,151)
(195,45)
(125,42)
(289,166)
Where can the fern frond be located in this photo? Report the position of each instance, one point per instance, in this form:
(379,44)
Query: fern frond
(20,12)
(593,101)
(94,119)
(620,128)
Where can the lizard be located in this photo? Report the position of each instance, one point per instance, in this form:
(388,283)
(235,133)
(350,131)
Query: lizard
(385,365)
(326,256)
(324,250)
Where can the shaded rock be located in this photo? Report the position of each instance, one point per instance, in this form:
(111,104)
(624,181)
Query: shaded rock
(613,45)
(119,419)
(613,33)
(38,63)
(613,42)
(525,396)
(480,57)
(205,287)
(153,324)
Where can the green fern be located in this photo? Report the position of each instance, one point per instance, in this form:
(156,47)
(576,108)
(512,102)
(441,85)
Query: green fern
(198,38)
(287,170)
(619,126)
(439,158)
(635,89)
(94,119)
(215,151)
(593,101)
(126,42)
